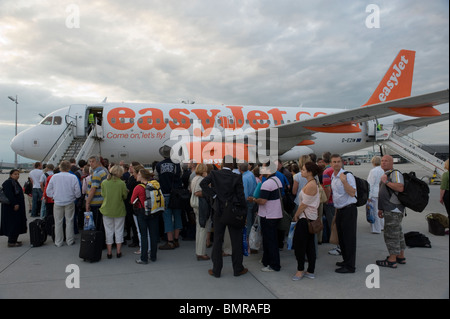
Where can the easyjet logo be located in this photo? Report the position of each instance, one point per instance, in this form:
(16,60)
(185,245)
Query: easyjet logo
(394,79)
(125,118)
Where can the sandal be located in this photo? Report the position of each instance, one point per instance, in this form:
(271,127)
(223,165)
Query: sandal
(401,261)
(386,263)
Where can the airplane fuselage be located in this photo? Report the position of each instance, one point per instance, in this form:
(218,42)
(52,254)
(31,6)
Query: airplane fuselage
(135,132)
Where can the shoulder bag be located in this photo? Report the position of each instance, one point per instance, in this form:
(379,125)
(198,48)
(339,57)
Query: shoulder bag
(3,198)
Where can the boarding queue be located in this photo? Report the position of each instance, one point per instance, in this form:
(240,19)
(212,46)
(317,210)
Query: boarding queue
(237,209)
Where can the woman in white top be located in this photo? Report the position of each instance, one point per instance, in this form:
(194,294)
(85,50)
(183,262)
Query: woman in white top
(374,182)
(201,232)
(303,241)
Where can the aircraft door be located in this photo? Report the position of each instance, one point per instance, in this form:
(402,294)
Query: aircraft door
(77,115)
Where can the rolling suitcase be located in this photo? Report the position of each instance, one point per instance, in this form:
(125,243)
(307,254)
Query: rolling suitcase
(91,245)
(38,234)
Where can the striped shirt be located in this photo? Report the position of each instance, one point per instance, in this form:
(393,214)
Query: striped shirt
(98,176)
(270,190)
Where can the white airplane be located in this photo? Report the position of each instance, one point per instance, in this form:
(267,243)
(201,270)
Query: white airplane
(137,131)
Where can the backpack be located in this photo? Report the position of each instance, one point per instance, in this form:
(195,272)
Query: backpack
(415,194)
(416,239)
(28,187)
(154,199)
(362,190)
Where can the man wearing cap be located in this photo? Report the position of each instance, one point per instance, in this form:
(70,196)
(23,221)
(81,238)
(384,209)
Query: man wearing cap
(169,176)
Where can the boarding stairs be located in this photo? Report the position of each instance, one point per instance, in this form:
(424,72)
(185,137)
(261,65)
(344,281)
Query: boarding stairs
(70,146)
(413,151)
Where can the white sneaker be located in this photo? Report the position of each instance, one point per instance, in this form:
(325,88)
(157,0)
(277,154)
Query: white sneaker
(335,251)
(267,269)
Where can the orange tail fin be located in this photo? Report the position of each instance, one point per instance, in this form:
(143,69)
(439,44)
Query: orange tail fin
(397,81)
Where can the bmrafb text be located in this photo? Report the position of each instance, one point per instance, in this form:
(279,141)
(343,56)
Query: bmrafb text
(234,308)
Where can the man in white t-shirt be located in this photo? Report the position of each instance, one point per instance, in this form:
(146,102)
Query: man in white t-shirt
(35,176)
(64,188)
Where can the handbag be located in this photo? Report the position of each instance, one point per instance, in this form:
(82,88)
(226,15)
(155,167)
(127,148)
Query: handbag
(3,198)
(314,226)
(334,235)
(255,237)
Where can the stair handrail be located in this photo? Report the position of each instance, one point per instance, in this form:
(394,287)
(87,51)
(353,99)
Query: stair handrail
(87,146)
(415,142)
(67,131)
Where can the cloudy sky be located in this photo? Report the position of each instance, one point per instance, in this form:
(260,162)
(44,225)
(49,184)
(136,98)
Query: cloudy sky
(238,52)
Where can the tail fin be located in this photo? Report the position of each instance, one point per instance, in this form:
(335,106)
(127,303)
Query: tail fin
(397,81)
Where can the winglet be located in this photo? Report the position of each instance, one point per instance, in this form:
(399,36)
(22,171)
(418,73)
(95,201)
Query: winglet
(397,82)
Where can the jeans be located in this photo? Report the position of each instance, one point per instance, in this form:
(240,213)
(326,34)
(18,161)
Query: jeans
(36,206)
(172,217)
(148,223)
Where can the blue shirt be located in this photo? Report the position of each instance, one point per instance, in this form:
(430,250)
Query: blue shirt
(249,181)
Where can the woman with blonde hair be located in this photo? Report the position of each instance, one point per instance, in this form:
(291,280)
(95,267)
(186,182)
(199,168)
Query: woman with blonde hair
(201,232)
(114,192)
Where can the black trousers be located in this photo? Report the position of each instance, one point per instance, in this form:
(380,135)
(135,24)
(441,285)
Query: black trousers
(303,243)
(346,219)
(236,246)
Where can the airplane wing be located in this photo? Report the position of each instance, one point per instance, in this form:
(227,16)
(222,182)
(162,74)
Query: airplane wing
(291,134)
(409,126)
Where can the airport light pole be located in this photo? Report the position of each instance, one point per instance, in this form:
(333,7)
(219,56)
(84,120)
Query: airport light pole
(15,101)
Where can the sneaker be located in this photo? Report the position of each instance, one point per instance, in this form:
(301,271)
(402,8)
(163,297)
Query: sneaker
(267,269)
(297,278)
(140,261)
(309,275)
(335,251)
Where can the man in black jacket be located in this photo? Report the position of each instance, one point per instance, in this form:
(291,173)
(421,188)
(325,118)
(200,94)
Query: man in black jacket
(223,186)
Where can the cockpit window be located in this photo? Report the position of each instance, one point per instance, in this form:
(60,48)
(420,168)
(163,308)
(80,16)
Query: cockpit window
(57,120)
(47,121)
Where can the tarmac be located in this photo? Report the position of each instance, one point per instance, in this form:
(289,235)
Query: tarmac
(48,272)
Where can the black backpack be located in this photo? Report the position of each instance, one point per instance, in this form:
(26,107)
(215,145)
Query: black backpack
(415,194)
(362,190)
(416,239)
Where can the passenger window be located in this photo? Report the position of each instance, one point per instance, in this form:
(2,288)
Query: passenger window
(57,120)
(47,121)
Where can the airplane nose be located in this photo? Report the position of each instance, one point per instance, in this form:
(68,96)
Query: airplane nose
(17,144)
